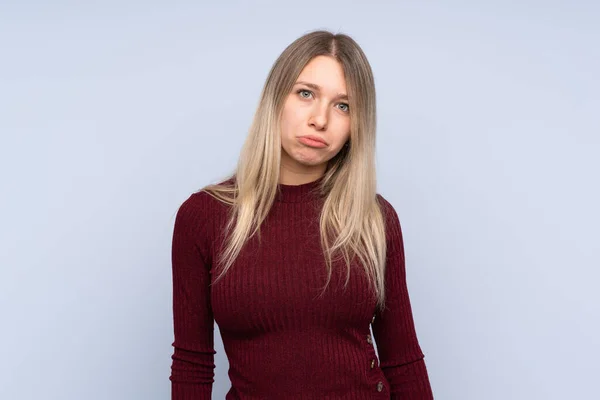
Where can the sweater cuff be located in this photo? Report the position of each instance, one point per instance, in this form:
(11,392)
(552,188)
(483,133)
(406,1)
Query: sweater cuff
(409,382)
(191,391)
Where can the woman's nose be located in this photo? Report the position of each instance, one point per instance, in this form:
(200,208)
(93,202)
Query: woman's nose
(319,119)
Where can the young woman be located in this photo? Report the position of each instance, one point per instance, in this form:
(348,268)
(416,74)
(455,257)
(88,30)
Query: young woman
(296,255)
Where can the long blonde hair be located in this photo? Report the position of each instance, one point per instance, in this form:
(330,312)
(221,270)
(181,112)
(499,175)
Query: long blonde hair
(351,221)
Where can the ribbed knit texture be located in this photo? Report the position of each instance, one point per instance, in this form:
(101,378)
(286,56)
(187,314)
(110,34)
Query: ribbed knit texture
(282,339)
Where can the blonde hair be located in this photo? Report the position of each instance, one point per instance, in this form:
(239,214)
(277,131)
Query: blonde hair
(351,220)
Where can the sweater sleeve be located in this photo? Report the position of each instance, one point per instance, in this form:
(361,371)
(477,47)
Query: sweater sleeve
(401,358)
(192,368)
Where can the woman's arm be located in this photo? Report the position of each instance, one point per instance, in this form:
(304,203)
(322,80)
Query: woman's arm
(401,358)
(192,370)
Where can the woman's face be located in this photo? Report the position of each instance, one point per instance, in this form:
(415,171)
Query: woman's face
(316,122)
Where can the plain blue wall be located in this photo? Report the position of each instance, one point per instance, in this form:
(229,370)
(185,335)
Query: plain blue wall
(112,114)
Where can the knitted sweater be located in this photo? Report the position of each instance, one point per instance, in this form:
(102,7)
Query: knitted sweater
(283,339)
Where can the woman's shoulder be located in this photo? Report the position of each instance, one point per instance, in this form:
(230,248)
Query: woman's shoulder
(386,207)
(205,204)
(202,200)
(390,217)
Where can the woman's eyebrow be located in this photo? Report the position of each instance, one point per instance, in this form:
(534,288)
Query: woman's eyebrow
(340,96)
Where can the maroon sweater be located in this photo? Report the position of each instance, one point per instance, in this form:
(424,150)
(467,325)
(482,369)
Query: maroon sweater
(282,339)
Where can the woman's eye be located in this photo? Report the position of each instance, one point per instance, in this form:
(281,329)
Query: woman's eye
(305,93)
(344,107)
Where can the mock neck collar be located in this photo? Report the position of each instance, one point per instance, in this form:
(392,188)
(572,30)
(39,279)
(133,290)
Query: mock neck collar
(299,193)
